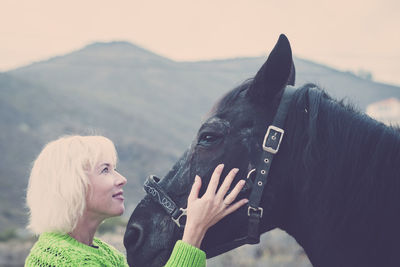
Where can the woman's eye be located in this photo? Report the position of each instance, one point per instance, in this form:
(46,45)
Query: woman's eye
(105,170)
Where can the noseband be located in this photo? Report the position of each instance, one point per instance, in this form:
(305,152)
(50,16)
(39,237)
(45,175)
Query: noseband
(270,147)
(158,194)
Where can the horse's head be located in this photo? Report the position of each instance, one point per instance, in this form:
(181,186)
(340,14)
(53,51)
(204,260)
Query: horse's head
(232,134)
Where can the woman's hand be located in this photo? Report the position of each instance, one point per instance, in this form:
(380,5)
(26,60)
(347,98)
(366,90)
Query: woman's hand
(204,212)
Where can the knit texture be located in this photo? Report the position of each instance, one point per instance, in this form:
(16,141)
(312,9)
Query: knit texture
(186,255)
(54,249)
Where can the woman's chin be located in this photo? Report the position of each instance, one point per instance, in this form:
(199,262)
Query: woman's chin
(121,211)
(118,211)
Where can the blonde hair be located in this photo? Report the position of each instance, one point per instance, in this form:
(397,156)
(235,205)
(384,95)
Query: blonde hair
(58,183)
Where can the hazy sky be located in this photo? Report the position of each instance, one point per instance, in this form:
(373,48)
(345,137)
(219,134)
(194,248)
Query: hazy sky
(346,34)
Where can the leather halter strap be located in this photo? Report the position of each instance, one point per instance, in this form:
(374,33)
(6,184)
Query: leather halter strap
(158,194)
(272,140)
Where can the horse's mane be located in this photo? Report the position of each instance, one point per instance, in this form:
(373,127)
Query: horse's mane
(339,133)
(349,166)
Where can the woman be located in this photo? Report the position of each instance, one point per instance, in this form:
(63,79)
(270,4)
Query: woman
(74,186)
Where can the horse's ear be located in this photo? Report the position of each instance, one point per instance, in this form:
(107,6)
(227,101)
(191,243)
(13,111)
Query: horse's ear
(277,72)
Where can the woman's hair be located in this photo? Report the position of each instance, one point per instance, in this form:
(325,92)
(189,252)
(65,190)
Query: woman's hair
(56,194)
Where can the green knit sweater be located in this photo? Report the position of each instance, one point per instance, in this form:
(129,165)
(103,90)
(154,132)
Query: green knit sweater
(54,249)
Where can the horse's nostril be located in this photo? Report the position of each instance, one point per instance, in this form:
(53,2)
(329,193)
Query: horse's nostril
(133,237)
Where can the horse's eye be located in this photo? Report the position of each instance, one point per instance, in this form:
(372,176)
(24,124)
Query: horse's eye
(207,139)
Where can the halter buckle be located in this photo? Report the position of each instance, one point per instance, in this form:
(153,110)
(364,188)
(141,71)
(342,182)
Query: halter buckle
(273,137)
(177,220)
(258,209)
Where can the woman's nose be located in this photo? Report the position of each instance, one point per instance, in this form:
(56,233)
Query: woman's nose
(121,180)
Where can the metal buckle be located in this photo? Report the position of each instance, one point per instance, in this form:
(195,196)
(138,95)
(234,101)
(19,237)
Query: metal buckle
(255,210)
(250,172)
(184,213)
(268,148)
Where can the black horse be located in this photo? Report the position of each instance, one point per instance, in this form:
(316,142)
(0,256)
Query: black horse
(334,185)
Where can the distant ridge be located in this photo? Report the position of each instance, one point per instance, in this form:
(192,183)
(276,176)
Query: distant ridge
(125,46)
(115,53)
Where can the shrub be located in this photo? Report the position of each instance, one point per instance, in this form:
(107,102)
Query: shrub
(8,234)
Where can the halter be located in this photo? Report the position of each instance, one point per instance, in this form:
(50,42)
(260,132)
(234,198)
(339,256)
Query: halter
(270,147)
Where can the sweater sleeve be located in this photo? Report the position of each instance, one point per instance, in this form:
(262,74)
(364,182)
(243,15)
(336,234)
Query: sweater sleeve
(186,255)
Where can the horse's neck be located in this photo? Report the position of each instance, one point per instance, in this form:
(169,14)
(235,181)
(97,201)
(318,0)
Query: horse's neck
(346,193)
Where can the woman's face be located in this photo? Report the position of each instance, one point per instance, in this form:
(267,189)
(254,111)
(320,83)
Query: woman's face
(105,195)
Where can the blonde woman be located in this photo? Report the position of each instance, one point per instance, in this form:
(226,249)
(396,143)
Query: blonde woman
(74,186)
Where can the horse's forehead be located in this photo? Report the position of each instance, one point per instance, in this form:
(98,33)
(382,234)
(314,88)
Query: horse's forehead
(214,109)
(212,118)
(217,120)
(225,103)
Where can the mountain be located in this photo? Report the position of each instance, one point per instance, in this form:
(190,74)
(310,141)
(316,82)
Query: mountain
(149,105)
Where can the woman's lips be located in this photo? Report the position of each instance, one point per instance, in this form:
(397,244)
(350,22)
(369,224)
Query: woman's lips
(119,195)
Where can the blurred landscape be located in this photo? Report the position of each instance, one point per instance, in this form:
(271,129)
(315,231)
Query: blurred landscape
(151,107)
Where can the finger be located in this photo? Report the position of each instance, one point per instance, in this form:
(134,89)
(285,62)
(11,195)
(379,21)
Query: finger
(227,183)
(235,192)
(212,186)
(235,206)
(194,193)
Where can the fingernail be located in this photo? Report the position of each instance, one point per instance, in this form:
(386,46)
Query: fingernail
(196,178)
(246,201)
(242,182)
(235,170)
(221,166)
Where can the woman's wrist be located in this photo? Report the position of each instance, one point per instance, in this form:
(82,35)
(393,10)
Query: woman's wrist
(193,236)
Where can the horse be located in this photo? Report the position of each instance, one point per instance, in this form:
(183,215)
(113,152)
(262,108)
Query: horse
(334,184)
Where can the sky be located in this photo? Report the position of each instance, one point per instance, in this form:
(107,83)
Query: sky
(345,34)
